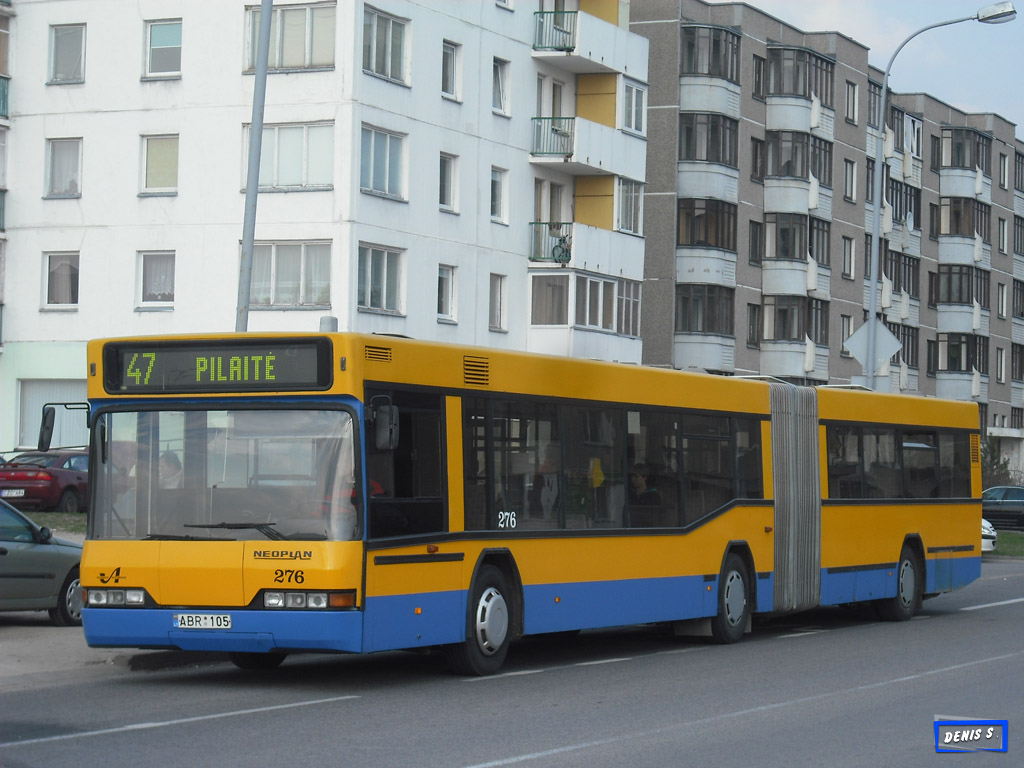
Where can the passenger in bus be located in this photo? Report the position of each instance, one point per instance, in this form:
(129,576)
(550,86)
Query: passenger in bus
(170,470)
(640,490)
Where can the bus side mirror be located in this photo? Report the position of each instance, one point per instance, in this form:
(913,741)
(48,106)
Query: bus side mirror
(46,428)
(385,427)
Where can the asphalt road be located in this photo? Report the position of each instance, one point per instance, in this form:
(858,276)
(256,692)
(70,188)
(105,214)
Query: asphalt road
(827,688)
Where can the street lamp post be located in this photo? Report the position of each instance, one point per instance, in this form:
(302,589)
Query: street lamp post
(992,14)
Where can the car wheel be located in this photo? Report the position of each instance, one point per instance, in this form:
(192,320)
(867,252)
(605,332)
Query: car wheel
(68,612)
(488,626)
(68,503)
(908,589)
(257,660)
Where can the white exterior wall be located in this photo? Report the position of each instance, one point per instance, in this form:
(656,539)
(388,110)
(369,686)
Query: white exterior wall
(208,107)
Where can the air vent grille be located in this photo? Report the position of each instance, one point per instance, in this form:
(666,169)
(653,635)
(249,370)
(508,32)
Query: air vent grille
(380,354)
(476,371)
(975,449)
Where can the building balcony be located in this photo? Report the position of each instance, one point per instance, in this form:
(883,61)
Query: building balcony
(794,360)
(581,43)
(580,246)
(706,352)
(585,343)
(961,385)
(714,266)
(964,250)
(791,194)
(965,182)
(795,113)
(708,180)
(5,84)
(585,148)
(962,318)
(795,277)
(705,93)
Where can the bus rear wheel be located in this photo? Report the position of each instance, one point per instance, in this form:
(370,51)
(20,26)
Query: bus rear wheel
(908,589)
(729,624)
(487,626)
(257,660)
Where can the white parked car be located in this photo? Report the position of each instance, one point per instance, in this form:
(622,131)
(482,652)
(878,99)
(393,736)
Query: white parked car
(988,536)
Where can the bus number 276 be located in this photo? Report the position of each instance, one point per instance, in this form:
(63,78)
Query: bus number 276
(506,519)
(289,576)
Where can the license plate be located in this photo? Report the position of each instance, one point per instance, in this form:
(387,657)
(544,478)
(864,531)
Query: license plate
(202,621)
(12,492)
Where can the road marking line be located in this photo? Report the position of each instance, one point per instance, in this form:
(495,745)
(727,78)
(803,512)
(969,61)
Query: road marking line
(993,605)
(179,721)
(740,713)
(601,661)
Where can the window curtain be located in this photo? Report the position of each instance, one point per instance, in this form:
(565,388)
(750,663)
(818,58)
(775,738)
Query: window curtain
(64,167)
(158,277)
(62,279)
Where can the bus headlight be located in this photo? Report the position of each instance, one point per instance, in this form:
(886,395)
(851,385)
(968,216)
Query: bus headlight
(308,600)
(115,598)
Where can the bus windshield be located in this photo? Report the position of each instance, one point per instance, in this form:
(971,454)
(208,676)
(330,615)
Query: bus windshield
(225,475)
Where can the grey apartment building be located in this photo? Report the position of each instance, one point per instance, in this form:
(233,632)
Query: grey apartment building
(759,233)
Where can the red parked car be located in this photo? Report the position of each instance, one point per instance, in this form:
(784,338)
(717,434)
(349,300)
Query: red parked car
(56,480)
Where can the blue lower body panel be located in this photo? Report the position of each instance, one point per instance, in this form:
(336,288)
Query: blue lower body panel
(415,621)
(856,585)
(251,631)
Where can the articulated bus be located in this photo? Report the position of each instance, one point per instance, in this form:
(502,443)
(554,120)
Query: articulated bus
(265,494)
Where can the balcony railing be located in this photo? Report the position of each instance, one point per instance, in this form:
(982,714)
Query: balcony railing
(553,136)
(556,30)
(552,241)
(5,82)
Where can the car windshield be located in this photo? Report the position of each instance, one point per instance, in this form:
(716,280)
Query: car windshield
(225,475)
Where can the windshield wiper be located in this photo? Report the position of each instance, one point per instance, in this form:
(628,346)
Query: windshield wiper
(264,528)
(181,537)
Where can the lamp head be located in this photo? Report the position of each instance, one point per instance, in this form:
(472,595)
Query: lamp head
(997,13)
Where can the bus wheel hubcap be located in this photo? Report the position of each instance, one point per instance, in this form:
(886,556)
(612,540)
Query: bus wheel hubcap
(491,621)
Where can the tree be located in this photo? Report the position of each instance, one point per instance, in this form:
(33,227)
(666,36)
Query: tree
(995,468)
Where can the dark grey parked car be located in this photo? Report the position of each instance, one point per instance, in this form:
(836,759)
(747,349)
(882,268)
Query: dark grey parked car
(37,571)
(1003,506)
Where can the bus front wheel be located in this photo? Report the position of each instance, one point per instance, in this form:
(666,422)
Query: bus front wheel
(908,589)
(729,624)
(487,626)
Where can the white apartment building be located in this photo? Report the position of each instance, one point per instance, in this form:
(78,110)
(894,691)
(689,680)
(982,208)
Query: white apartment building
(468,171)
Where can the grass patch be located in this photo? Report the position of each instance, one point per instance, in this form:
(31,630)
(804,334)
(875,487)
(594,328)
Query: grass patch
(60,523)
(1010,544)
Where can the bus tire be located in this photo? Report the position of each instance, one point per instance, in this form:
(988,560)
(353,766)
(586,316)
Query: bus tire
(908,589)
(488,626)
(729,624)
(244,660)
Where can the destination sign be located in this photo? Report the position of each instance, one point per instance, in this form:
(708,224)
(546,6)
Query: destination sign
(198,366)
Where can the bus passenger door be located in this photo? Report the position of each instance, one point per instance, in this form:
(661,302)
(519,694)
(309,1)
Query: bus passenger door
(414,578)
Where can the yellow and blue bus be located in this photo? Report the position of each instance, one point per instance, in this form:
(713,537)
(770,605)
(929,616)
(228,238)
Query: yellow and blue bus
(263,494)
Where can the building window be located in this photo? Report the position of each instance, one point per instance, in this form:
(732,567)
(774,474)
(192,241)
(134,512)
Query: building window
(760,91)
(629,308)
(799,155)
(1018,235)
(5,37)
(64,172)
(291,274)
(957,284)
(381,162)
(850,180)
(163,48)
(794,72)
(902,269)
(874,104)
(67,54)
(160,161)
(1018,171)
(1017,363)
(451,69)
(704,309)
(302,156)
(710,51)
(496,320)
(631,206)
(384,45)
(1003,235)
(756,244)
(61,279)
(633,108)
(1001,299)
(1000,365)
(156,278)
(445,292)
(966,148)
(1004,171)
(753,325)
(786,236)
(301,37)
(499,194)
(849,257)
(706,224)
(1018,298)
(852,102)
(1017,418)
(912,136)
(499,86)
(960,353)
(595,302)
(379,285)
(550,302)
(447,188)
(819,240)
(795,318)
(845,331)
(710,138)
(964,216)
(757,160)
